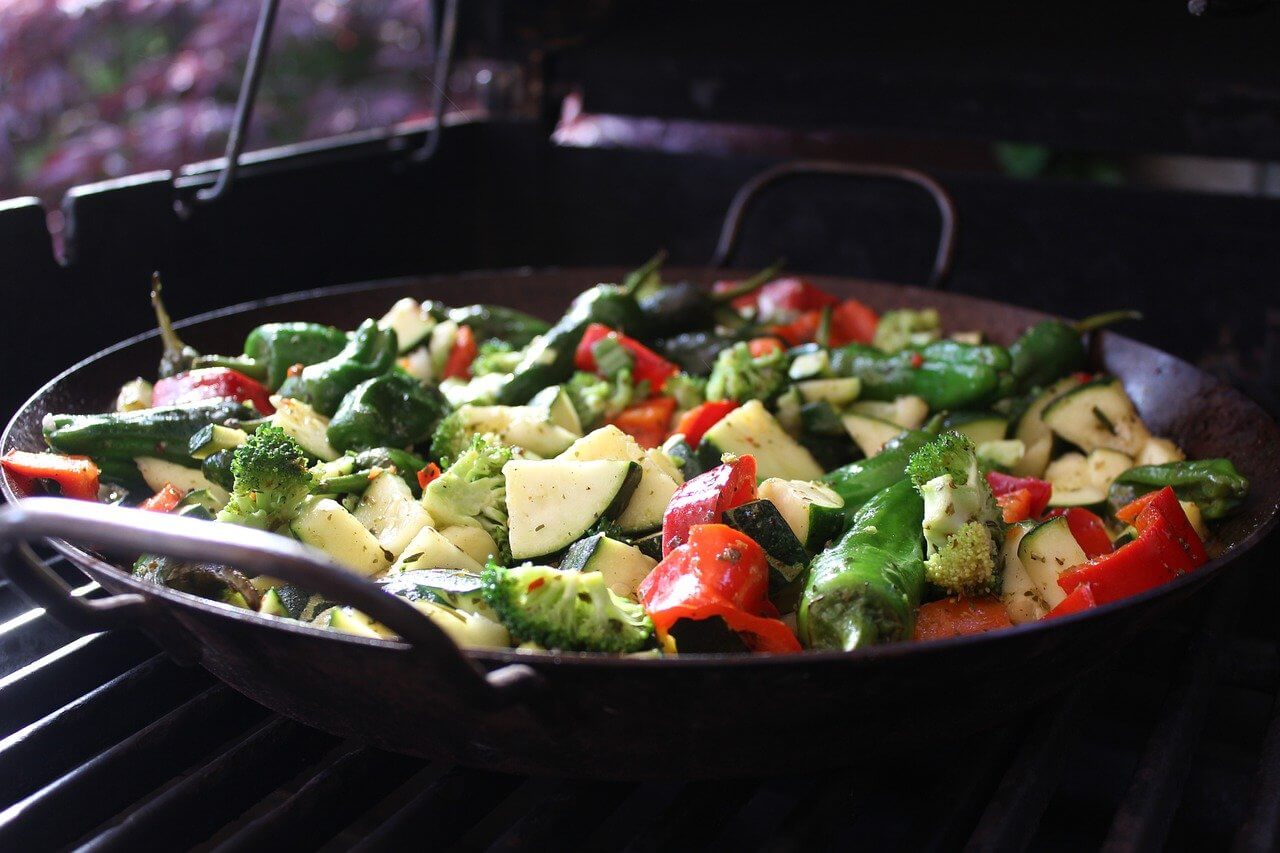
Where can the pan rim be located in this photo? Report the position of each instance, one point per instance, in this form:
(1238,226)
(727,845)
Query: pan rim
(499,657)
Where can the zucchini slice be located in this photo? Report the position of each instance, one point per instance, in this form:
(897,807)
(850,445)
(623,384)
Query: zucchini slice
(750,430)
(908,412)
(623,566)
(659,478)
(762,521)
(475,542)
(388,511)
(157,472)
(1105,465)
(519,426)
(837,392)
(455,588)
(1046,551)
(554,503)
(431,550)
(1003,454)
(1018,592)
(1159,451)
(214,438)
(1098,414)
(813,511)
(555,402)
(1035,435)
(650,546)
(869,433)
(411,320)
(323,523)
(980,427)
(304,425)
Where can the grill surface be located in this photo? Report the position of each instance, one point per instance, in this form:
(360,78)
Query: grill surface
(108,745)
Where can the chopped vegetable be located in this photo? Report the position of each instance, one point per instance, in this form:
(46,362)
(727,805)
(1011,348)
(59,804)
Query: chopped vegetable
(211,383)
(960,617)
(648,422)
(165,500)
(75,476)
(271,481)
(704,499)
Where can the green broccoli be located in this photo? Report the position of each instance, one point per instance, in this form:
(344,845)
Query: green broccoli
(689,391)
(573,611)
(962,525)
(450,439)
(596,399)
(271,480)
(495,357)
(739,376)
(898,330)
(473,491)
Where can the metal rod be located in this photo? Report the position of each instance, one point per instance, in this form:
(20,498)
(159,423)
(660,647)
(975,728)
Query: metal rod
(448,27)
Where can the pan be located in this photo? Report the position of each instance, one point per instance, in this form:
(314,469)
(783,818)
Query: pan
(590,715)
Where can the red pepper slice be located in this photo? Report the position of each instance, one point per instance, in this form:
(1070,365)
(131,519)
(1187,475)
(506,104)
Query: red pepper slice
(427,474)
(465,348)
(1088,529)
(695,422)
(1129,512)
(211,383)
(1039,491)
(784,296)
(1015,506)
(718,572)
(759,347)
(648,365)
(164,500)
(801,330)
(76,476)
(1081,598)
(957,617)
(1165,505)
(704,499)
(649,422)
(853,322)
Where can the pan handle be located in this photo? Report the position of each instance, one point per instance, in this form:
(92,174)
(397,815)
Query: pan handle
(256,550)
(750,191)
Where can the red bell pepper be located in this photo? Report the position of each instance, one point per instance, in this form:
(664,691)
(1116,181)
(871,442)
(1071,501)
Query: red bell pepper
(648,422)
(801,330)
(718,572)
(164,500)
(958,617)
(695,422)
(704,499)
(76,476)
(780,298)
(465,348)
(211,383)
(1038,491)
(1081,598)
(1166,547)
(853,322)
(427,474)
(1088,529)
(759,347)
(647,364)
(1015,506)
(1130,511)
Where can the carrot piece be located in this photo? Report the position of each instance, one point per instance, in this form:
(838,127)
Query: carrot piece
(164,500)
(958,617)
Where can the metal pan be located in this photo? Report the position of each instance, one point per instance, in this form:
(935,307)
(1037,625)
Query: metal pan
(588,715)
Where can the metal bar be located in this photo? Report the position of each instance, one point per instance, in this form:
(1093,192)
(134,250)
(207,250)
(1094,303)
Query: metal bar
(55,744)
(338,792)
(450,802)
(1012,815)
(191,810)
(563,817)
(448,27)
(1144,817)
(1261,828)
(34,634)
(74,804)
(249,83)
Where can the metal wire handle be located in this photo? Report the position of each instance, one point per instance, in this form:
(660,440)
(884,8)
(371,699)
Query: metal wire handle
(255,550)
(750,191)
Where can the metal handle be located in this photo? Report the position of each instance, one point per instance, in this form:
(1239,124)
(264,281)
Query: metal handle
(749,191)
(255,550)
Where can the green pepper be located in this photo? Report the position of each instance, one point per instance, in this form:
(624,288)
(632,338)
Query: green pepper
(696,352)
(1051,349)
(860,481)
(216,468)
(271,349)
(177,356)
(946,377)
(1214,485)
(163,433)
(406,464)
(685,306)
(865,589)
(494,322)
(548,360)
(371,352)
(392,410)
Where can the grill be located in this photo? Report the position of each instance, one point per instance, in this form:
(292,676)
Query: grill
(108,744)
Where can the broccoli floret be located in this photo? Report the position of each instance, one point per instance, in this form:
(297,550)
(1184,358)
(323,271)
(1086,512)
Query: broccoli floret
(962,521)
(739,376)
(596,399)
(898,330)
(450,439)
(573,611)
(495,357)
(689,391)
(473,491)
(271,480)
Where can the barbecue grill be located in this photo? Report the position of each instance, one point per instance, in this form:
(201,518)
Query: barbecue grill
(112,745)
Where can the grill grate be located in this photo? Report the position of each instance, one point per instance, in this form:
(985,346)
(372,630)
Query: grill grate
(110,746)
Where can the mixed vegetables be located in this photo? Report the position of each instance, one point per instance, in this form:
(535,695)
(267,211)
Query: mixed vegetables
(758,467)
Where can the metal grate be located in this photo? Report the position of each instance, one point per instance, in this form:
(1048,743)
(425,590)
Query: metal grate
(108,745)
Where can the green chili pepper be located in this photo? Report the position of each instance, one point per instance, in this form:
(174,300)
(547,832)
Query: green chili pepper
(371,352)
(951,377)
(1051,349)
(406,464)
(392,410)
(686,306)
(865,589)
(860,481)
(494,322)
(163,432)
(1214,485)
(271,349)
(177,355)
